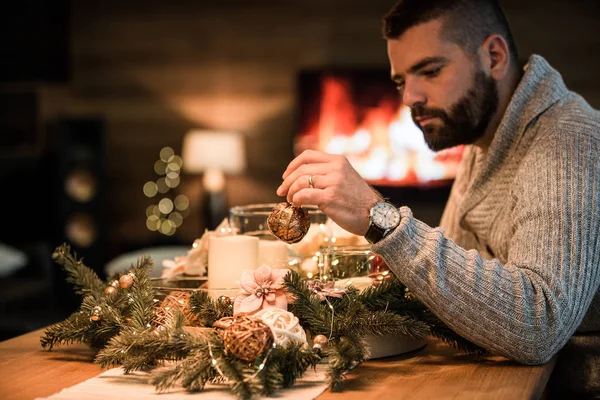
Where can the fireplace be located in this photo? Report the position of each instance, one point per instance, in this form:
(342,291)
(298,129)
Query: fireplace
(359,114)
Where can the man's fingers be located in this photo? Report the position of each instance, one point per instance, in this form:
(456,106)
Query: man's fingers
(305,197)
(302,172)
(307,157)
(303,182)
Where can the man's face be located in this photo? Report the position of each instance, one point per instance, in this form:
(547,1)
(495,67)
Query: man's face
(451,98)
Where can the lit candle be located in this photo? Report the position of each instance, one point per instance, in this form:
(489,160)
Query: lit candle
(274,253)
(228,256)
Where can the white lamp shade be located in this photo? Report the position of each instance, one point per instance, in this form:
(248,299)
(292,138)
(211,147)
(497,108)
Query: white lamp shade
(211,150)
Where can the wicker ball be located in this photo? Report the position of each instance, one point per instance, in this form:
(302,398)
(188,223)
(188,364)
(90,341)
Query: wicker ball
(284,324)
(246,338)
(223,324)
(175,301)
(289,223)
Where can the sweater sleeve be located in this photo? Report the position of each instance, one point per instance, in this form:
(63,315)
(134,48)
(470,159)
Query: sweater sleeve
(527,308)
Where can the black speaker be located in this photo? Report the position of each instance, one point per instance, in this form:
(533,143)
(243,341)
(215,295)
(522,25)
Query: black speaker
(80,186)
(35,41)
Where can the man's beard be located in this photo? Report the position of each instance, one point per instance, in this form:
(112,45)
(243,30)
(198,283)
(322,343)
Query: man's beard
(467,120)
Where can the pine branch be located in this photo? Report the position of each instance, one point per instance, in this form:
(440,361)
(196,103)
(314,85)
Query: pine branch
(208,310)
(72,330)
(194,371)
(141,294)
(84,279)
(235,370)
(381,323)
(343,356)
(292,361)
(314,316)
(270,378)
(136,349)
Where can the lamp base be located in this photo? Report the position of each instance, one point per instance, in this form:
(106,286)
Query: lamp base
(215,208)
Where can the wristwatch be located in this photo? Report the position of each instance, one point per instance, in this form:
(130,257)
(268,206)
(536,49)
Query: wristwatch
(385,217)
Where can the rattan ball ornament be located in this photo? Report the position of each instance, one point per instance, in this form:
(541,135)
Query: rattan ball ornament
(289,223)
(245,337)
(284,324)
(176,301)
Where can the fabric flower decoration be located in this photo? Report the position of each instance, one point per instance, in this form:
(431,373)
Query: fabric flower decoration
(261,289)
(326,289)
(194,263)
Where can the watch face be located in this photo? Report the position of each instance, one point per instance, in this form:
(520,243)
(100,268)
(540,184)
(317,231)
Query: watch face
(385,215)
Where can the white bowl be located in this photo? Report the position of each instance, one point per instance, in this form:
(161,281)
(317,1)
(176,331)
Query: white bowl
(387,346)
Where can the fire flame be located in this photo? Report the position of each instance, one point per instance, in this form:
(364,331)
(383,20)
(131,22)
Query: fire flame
(381,142)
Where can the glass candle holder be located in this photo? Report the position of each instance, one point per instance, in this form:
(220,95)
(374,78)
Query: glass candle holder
(252,220)
(357,265)
(165,286)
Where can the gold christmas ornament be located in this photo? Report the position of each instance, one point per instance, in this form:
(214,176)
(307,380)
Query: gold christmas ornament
(246,338)
(226,300)
(288,223)
(110,290)
(125,281)
(320,342)
(96,314)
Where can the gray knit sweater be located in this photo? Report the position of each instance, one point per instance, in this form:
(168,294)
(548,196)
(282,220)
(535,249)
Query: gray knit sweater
(515,265)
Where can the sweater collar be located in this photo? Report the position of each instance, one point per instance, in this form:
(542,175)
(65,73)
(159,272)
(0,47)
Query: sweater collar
(540,87)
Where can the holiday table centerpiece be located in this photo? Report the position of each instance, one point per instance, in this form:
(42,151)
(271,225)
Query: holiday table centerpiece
(257,338)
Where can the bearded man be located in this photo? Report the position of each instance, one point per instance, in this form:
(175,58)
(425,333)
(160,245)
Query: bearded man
(515,264)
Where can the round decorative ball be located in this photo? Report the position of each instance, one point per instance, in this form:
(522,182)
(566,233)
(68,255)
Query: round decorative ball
(225,300)
(222,324)
(284,324)
(289,223)
(110,290)
(96,314)
(320,342)
(247,338)
(125,281)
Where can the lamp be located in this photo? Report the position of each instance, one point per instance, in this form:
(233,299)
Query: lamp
(214,154)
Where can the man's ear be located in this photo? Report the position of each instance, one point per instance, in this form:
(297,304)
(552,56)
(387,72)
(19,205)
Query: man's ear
(495,56)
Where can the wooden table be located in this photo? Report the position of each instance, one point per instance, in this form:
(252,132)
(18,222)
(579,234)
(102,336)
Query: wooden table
(435,372)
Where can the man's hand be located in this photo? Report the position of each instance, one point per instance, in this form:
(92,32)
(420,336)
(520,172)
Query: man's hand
(338,190)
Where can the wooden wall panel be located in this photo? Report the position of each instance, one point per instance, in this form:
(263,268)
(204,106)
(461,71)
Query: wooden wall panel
(156,69)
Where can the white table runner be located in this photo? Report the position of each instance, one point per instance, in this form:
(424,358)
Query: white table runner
(114,384)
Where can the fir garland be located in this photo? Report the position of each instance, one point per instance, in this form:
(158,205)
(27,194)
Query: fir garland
(128,335)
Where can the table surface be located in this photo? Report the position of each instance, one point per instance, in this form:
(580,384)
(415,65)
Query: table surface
(434,372)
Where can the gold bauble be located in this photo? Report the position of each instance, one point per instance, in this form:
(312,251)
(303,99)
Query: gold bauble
(289,223)
(125,281)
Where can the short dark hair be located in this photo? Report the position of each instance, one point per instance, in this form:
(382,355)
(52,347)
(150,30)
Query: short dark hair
(466,22)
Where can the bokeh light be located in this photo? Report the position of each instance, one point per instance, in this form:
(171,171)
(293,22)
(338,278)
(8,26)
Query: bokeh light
(182,202)
(165,206)
(166,154)
(150,189)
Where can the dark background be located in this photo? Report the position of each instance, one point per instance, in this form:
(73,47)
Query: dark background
(108,84)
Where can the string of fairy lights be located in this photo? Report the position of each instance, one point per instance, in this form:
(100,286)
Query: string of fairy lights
(168,213)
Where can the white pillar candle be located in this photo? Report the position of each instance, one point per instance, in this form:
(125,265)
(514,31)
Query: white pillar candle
(228,256)
(274,253)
